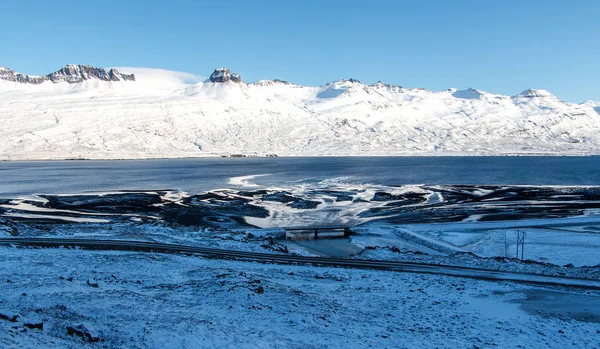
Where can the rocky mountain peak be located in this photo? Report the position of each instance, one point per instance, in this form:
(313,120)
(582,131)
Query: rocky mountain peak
(391,87)
(532,93)
(469,93)
(74,73)
(224,75)
(346,82)
(8,74)
(71,73)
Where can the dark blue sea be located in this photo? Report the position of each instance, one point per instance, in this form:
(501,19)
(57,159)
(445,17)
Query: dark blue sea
(20,178)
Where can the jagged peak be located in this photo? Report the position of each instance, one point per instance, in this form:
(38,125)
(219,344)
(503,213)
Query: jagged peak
(345,81)
(75,73)
(223,74)
(77,66)
(70,73)
(381,84)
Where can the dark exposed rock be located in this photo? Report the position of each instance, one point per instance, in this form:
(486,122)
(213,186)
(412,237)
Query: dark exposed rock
(384,196)
(85,331)
(8,316)
(344,198)
(292,201)
(304,204)
(271,244)
(8,227)
(212,209)
(224,75)
(281,196)
(113,203)
(252,193)
(92,283)
(72,73)
(33,321)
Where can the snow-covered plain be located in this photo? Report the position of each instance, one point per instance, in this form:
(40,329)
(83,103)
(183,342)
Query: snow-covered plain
(163,114)
(147,300)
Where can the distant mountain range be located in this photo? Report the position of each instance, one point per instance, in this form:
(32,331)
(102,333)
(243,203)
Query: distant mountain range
(72,74)
(81,111)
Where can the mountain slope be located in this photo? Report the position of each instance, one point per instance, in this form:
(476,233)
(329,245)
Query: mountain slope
(163,114)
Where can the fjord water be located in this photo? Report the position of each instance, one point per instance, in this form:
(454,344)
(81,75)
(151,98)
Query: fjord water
(20,178)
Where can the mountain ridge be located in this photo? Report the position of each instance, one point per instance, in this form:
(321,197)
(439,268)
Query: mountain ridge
(164,114)
(70,73)
(81,72)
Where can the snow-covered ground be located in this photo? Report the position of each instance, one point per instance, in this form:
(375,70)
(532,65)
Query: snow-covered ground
(146,300)
(164,114)
(574,241)
(561,223)
(152,300)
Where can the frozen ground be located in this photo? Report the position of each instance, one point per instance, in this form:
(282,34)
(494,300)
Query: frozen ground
(567,241)
(562,224)
(150,300)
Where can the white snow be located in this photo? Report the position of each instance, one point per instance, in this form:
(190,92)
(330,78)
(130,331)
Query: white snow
(172,114)
(558,241)
(594,105)
(173,301)
(245,181)
(161,78)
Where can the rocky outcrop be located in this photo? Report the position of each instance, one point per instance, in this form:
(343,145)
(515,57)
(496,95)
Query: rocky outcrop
(33,321)
(531,93)
(224,75)
(272,83)
(8,227)
(10,75)
(84,330)
(72,74)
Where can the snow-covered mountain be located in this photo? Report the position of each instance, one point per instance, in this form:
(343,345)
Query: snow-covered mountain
(72,73)
(87,112)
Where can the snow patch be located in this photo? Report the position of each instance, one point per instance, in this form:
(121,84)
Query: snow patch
(244,181)
(161,78)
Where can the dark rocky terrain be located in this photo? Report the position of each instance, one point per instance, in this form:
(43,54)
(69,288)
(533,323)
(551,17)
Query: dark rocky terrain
(224,75)
(72,73)
(229,208)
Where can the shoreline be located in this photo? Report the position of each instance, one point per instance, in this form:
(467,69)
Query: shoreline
(246,156)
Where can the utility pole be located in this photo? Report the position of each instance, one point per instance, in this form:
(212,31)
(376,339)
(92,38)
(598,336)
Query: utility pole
(520,243)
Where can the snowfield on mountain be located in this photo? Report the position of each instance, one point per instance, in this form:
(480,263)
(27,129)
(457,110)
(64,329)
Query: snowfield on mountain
(154,113)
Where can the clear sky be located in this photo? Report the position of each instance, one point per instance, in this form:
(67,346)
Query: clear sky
(501,46)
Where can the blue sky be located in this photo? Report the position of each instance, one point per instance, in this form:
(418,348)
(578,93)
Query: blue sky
(498,46)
